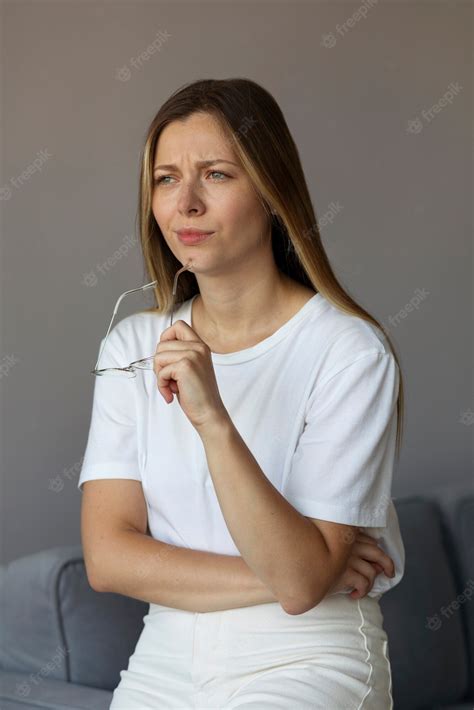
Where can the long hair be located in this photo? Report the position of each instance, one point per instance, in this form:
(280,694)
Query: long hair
(255,126)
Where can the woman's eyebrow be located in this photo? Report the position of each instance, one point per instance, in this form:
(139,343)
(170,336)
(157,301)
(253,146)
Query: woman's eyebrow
(200,164)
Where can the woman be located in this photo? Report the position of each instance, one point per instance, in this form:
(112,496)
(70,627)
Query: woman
(266,436)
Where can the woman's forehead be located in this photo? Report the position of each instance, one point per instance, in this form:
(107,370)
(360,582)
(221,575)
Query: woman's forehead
(195,138)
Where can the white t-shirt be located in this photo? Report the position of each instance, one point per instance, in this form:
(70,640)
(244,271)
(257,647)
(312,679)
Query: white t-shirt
(315,403)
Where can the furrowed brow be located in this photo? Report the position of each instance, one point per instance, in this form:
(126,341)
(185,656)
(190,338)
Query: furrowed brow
(200,164)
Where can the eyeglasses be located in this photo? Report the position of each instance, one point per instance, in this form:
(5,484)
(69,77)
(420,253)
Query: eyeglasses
(145,363)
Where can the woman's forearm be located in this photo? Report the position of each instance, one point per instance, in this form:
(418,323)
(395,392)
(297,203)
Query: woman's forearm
(152,571)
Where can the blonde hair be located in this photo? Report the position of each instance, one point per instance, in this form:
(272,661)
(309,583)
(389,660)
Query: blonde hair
(256,128)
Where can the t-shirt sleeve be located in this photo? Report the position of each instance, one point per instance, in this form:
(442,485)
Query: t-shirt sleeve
(342,467)
(112,444)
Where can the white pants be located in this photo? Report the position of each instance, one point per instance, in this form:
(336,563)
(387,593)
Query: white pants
(333,656)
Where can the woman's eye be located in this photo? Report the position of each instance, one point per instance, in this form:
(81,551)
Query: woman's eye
(159,180)
(217,172)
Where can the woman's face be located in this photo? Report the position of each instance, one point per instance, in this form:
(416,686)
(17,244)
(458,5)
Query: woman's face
(217,198)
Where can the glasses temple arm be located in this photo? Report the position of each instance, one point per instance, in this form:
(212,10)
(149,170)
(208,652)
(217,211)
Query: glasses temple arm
(140,288)
(175,288)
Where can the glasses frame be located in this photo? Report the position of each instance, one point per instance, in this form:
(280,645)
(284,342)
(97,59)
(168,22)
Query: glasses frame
(130,370)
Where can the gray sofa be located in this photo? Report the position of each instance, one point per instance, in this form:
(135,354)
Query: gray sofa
(63,645)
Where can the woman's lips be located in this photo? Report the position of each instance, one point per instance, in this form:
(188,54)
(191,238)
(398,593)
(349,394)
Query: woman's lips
(194,237)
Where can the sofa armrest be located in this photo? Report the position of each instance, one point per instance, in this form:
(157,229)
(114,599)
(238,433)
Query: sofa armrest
(54,623)
(30,619)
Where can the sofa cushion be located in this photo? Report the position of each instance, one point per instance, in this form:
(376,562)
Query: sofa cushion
(457,510)
(103,626)
(51,617)
(427,650)
(464,530)
(32,630)
(19,691)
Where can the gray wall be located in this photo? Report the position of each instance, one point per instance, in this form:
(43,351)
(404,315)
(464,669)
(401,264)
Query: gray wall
(380,107)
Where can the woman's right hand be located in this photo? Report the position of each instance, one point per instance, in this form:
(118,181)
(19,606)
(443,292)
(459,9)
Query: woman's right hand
(367,560)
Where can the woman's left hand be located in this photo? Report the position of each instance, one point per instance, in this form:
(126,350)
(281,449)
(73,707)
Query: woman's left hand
(366,562)
(183,366)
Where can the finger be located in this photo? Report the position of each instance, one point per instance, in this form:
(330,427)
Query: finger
(362,578)
(166,393)
(168,345)
(366,538)
(163,385)
(360,583)
(165,376)
(386,560)
(179,331)
(373,553)
(164,366)
(358,574)
(366,569)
